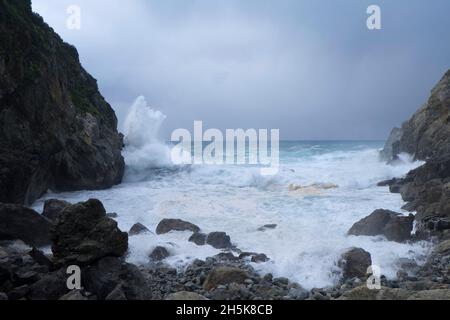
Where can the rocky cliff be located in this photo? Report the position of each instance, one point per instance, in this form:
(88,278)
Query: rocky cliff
(56,129)
(427,134)
(427,137)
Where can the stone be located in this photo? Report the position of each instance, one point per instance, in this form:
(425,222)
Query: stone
(50,287)
(354,263)
(185,296)
(137,229)
(168,225)
(40,258)
(53,207)
(384,222)
(159,254)
(83,234)
(20,223)
(198,238)
(112,215)
(219,240)
(223,276)
(107,274)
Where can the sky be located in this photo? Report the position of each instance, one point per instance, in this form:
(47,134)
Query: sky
(310,68)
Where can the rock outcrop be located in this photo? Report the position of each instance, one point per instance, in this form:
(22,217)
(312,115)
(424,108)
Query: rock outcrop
(355,263)
(168,225)
(384,222)
(427,134)
(83,234)
(57,131)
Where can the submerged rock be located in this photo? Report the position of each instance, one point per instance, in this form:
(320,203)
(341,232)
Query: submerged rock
(20,223)
(83,234)
(355,263)
(198,238)
(384,222)
(168,225)
(159,254)
(219,240)
(137,229)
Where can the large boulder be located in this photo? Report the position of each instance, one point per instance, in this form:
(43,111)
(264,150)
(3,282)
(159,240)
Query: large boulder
(224,276)
(20,223)
(57,131)
(384,222)
(138,229)
(83,234)
(355,263)
(168,225)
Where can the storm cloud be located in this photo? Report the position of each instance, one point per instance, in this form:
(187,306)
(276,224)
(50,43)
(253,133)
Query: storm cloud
(310,68)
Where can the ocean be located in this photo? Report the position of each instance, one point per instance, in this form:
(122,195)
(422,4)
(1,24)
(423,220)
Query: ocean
(311,222)
(322,188)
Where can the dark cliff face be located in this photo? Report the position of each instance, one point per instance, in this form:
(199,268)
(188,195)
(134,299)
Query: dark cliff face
(427,137)
(427,134)
(56,129)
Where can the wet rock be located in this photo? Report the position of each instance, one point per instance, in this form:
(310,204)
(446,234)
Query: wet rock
(41,258)
(107,274)
(267,227)
(185,296)
(53,207)
(198,238)
(223,276)
(112,215)
(298,293)
(354,263)
(83,234)
(254,257)
(384,222)
(168,225)
(364,293)
(51,287)
(116,295)
(219,240)
(137,229)
(17,222)
(159,254)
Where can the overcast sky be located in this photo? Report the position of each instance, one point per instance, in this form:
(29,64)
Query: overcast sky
(308,67)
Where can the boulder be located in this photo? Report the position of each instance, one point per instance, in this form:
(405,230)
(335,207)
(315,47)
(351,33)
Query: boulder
(384,222)
(219,240)
(83,234)
(159,254)
(137,229)
(20,223)
(198,238)
(53,207)
(112,274)
(185,296)
(51,287)
(224,276)
(355,263)
(168,225)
